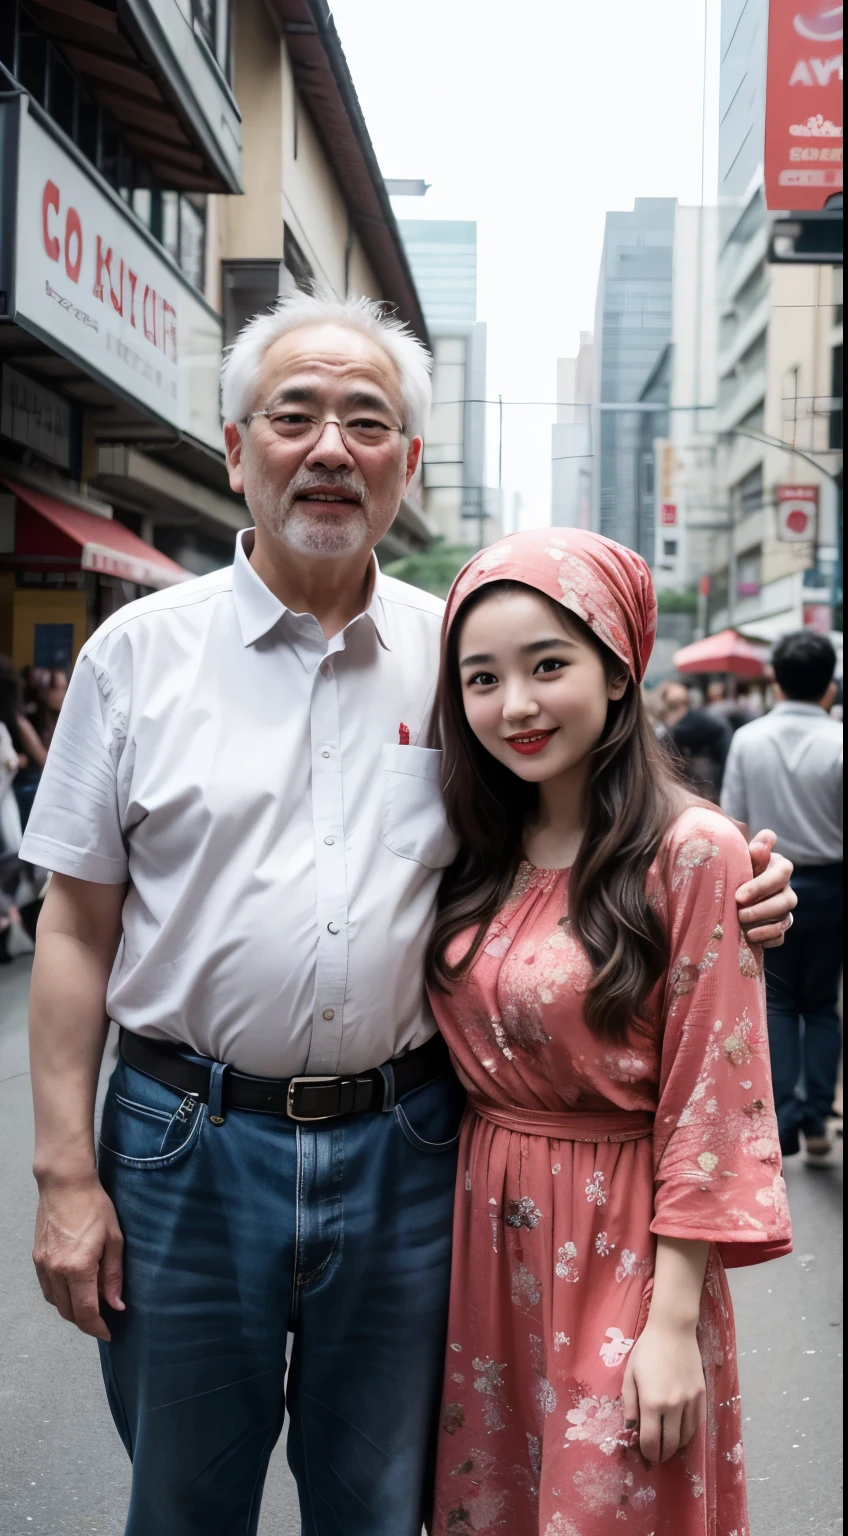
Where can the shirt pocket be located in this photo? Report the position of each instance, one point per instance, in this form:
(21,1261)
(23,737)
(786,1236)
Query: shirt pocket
(413,823)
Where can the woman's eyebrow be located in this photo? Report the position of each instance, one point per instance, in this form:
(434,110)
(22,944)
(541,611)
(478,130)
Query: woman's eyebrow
(545,645)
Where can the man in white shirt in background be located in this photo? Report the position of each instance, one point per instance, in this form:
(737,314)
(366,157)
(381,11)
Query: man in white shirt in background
(787,769)
(248,835)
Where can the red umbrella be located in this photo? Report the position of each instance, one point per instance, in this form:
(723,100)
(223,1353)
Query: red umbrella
(725,652)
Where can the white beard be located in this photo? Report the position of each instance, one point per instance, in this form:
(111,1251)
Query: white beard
(306,533)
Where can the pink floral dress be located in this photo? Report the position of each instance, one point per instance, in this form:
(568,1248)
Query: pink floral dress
(574,1156)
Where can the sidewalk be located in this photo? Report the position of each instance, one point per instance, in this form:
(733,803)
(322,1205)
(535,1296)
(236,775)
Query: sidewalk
(63,1471)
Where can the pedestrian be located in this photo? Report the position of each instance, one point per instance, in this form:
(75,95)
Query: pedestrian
(245,820)
(32,754)
(787,766)
(701,739)
(601,1005)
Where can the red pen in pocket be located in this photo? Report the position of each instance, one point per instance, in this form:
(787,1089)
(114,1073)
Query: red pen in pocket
(403,735)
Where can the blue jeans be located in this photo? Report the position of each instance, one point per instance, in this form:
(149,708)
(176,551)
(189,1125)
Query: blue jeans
(235,1236)
(802,989)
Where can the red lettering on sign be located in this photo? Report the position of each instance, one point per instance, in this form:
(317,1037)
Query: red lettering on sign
(49,199)
(73,232)
(132,279)
(149,325)
(169,330)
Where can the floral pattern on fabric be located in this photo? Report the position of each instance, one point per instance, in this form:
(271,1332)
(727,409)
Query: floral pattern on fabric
(554,1239)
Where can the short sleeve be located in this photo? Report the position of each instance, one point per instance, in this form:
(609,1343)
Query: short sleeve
(74,826)
(717,1164)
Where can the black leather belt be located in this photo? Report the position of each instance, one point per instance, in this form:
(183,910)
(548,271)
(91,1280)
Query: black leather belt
(299,1098)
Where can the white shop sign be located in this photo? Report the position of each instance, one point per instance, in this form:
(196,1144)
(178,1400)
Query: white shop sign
(89,281)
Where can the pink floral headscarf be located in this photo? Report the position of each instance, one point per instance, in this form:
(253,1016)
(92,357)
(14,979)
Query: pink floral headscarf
(607,585)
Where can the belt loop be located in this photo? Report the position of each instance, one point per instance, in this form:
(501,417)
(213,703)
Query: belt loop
(215,1102)
(387,1073)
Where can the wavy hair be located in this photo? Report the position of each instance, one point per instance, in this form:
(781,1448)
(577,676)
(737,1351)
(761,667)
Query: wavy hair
(634,795)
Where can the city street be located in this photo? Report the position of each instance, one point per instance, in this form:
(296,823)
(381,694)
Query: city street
(63,1471)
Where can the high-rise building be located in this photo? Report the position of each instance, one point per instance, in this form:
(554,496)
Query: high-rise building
(632,329)
(571,439)
(443,258)
(779,374)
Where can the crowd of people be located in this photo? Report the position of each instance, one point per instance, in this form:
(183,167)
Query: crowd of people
(30,703)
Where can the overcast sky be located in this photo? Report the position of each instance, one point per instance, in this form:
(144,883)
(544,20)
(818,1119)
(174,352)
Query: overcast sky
(534,117)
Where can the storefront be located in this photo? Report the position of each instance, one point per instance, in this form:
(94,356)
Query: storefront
(107,354)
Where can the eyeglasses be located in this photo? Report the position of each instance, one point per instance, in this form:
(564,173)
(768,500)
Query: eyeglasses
(296,427)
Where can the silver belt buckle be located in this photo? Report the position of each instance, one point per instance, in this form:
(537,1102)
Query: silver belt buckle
(306,1119)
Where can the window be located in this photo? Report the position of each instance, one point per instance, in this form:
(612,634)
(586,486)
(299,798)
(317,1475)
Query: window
(296,262)
(748,493)
(834,435)
(248,288)
(669,548)
(647,476)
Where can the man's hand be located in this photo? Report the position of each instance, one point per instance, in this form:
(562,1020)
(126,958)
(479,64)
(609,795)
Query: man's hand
(78,1253)
(766,902)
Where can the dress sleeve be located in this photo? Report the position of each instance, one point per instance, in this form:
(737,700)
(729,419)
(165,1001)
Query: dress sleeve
(717,1164)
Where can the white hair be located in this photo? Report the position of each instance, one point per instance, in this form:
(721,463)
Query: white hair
(292,311)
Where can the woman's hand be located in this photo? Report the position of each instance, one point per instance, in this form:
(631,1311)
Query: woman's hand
(664,1388)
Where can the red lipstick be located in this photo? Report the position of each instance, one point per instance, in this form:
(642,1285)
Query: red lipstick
(530,742)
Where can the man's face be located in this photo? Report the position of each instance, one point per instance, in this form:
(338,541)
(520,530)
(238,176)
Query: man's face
(330,490)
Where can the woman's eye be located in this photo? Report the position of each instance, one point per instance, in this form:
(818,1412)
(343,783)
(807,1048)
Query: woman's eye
(550,664)
(482,679)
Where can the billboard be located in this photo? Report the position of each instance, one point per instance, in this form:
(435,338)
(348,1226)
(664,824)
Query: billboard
(803,137)
(93,284)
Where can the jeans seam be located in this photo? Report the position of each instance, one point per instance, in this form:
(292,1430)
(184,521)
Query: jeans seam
(298,1196)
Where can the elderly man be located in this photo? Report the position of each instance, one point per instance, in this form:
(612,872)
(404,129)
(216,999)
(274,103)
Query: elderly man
(247,834)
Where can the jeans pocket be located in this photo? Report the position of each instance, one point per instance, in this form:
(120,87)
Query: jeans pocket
(145,1123)
(430,1118)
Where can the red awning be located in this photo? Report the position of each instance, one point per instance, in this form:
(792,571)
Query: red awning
(95,543)
(725,652)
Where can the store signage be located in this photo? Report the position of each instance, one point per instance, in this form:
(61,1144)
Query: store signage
(36,417)
(93,284)
(668,514)
(797,512)
(803,139)
(818,617)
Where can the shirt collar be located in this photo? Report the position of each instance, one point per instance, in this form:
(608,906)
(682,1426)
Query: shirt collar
(799,707)
(258,610)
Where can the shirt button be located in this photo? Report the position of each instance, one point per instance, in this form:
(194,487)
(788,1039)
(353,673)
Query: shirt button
(332,928)
(328,1014)
(325,754)
(329,841)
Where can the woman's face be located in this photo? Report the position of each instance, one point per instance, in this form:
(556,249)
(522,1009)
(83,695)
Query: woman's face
(534,688)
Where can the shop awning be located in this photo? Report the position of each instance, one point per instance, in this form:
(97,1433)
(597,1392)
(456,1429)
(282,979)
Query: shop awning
(725,652)
(95,543)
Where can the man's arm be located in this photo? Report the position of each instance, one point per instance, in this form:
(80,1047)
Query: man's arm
(78,1242)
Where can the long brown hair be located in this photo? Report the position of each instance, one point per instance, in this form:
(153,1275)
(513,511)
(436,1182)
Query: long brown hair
(634,795)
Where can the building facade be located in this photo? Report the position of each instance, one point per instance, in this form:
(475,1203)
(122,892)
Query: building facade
(571,438)
(443,257)
(779,371)
(315,208)
(116,126)
(632,330)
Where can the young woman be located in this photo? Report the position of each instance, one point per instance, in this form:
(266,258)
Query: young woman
(607,1018)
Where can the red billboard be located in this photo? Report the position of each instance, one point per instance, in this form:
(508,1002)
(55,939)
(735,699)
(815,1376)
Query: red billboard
(803,143)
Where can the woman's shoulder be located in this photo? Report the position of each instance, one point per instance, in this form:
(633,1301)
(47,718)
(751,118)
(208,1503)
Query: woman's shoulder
(701,835)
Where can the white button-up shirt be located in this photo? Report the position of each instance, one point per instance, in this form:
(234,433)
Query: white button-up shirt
(283,848)
(784,771)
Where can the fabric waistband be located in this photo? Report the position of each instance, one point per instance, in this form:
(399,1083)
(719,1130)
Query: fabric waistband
(567,1125)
